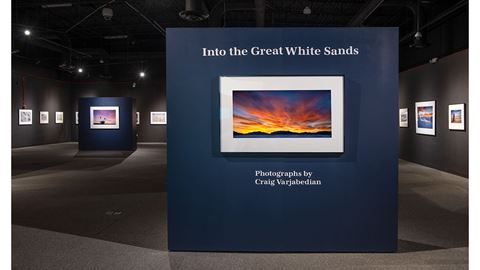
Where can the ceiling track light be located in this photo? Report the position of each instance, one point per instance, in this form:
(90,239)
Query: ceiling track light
(116,37)
(142,74)
(57,5)
(80,70)
(27,32)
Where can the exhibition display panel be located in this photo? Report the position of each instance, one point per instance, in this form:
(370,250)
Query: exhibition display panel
(107,123)
(282,139)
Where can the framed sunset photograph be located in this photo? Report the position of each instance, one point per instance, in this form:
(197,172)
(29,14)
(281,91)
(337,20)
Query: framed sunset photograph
(281,114)
(104,117)
(425,117)
(456,117)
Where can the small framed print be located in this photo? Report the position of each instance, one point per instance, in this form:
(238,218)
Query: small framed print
(104,117)
(58,117)
(403,117)
(24,117)
(158,118)
(76,118)
(44,117)
(456,117)
(138,118)
(425,117)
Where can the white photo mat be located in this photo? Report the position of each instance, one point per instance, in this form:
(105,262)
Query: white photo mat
(403,122)
(58,117)
(451,124)
(422,130)
(116,125)
(25,117)
(333,144)
(158,118)
(44,115)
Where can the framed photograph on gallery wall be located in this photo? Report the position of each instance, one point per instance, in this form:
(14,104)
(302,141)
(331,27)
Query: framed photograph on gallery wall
(24,117)
(296,114)
(104,117)
(58,117)
(403,117)
(425,118)
(137,118)
(44,117)
(456,117)
(158,118)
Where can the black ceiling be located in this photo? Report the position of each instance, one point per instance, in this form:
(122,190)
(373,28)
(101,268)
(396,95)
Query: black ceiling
(59,36)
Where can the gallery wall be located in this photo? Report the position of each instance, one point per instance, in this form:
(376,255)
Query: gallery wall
(50,90)
(446,82)
(41,91)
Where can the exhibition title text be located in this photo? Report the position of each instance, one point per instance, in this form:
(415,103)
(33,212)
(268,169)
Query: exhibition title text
(288,51)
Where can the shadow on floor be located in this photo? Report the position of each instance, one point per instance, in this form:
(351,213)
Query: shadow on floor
(410,246)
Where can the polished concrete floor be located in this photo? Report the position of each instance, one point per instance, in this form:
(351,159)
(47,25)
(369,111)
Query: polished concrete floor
(108,211)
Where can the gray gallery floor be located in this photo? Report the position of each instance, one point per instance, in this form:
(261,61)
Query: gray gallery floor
(89,212)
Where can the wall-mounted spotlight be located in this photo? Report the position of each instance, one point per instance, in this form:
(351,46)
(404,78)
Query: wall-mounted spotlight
(80,70)
(142,74)
(27,32)
(433,60)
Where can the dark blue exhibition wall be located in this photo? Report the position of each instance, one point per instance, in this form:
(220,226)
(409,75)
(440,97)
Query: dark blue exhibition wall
(121,138)
(214,200)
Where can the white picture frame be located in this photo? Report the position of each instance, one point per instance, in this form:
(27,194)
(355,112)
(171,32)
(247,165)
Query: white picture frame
(104,117)
(456,116)
(158,118)
(25,117)
(332,144)
(58,117)
(76,118)
(403,117)
(44,117)
(137,118)
(425,118)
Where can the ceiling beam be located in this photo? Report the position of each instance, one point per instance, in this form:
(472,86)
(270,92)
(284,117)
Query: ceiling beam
(364,12)
(88,16)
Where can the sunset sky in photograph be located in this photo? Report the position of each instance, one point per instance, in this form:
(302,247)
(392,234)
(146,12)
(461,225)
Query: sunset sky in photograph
(298,111)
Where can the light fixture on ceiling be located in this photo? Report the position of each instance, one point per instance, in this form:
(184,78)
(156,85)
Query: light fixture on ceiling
(116,37)
(195,11)
(80,70)
(107,13)
(307,10)
(418,41)
(27,32)
(142,74)
(57,5)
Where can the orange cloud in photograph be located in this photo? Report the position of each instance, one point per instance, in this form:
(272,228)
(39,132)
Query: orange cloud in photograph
(282,113)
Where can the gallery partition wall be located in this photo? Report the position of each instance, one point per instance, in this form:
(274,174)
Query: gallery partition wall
(281,140)
(46,94)
(446,83)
